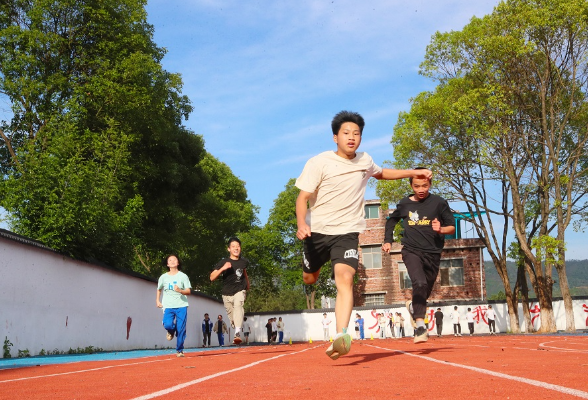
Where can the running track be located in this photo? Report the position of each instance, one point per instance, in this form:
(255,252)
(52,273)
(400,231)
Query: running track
(478,367)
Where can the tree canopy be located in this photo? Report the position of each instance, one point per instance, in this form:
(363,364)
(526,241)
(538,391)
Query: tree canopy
(95,159)
(505,132)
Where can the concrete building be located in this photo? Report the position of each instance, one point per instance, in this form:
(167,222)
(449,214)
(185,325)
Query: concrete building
(383,279)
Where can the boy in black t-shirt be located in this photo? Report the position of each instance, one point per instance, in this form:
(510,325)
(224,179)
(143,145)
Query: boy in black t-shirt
(235,285)
(427,218)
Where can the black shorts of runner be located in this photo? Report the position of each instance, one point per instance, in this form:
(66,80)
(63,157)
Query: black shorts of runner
(246,334)
(340,249)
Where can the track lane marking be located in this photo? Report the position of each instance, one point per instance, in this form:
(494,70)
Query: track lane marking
(206,378)
(543,385)
(81,371)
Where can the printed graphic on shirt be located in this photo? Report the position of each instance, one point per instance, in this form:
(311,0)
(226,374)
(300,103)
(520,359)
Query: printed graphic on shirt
(239,273)
(306,263)
(351,254)
(170,286)
(413,217)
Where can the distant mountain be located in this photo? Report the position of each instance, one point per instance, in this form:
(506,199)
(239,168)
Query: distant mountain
(576,271)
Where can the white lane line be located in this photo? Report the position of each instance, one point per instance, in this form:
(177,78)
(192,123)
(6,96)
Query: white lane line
(81,371)
(544,344)
(573,392)
(205,378)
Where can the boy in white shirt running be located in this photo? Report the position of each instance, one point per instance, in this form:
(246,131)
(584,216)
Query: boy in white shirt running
(330,214)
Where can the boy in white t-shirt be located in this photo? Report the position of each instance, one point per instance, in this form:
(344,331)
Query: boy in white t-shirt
(333,185)
(491,317)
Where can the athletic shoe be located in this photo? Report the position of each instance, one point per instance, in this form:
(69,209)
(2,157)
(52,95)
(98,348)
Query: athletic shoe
(237,339)
(180,354)
(169,336)
(421,335)
(410,311)
(340,346)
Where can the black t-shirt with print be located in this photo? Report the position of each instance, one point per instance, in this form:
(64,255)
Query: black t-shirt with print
(417,217)
(233,278)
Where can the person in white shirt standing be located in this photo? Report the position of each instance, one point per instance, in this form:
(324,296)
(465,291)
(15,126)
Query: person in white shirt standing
(470,319)
(455,319)
(280,331)
(326,322)
(246,330)
(491,317)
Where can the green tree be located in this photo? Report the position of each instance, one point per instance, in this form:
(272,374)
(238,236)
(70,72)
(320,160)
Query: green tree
(95,160)
(276,255)
(509,115)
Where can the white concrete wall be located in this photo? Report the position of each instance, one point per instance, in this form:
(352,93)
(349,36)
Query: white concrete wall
(308,325)
(49,301)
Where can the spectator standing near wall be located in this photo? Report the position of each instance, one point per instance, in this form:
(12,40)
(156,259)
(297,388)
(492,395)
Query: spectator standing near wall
(280,331)
(439,321)
(360,323)
(246,330)
(326,322)
(491,317)
(274,329)
(470,319)
(455,319)
(398,322)
(268,328)
(207,326)
(220,328)
(382,322)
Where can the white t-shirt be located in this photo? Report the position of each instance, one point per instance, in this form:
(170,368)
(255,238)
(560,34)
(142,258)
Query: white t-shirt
(246,327)
(326,323)
(490,314)
(338,190)
(470,316)
(455,317)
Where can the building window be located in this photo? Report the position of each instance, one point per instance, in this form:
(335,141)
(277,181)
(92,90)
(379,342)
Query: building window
(373,299)
(371,257)
(372,211)
(405,282)
(451,272)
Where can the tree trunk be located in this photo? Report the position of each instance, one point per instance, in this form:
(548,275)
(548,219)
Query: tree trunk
(522,279)
(511,299)
(545,299)
(560,267)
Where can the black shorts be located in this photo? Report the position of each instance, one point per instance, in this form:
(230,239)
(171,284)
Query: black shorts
(340,249)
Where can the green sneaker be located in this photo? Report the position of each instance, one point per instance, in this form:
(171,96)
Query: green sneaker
(340,346)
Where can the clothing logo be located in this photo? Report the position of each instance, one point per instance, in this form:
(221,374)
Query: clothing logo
(363,174)
(239,273)
(306,263)
(414,216)
(351,254)
(414,219)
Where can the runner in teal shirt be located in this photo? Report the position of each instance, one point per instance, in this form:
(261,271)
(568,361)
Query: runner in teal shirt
(175,286)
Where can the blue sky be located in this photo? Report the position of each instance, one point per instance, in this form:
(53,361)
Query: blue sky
(266,77)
